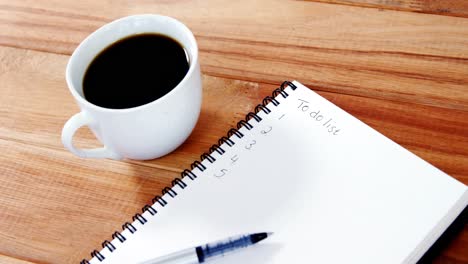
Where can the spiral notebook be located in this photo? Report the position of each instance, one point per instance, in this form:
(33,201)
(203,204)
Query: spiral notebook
(332,189)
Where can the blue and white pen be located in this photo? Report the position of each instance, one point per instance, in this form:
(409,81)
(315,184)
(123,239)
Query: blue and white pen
(209,251)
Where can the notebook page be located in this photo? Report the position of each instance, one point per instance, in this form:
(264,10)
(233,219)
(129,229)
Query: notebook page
(332,190)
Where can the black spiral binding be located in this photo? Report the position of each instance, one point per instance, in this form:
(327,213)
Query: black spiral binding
(196,164)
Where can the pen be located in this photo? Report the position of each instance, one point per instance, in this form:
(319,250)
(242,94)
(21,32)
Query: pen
(209,251)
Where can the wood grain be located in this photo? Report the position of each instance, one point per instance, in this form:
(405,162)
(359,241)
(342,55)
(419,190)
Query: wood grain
(439,7)
(9,260)
(53,200)
(403,73)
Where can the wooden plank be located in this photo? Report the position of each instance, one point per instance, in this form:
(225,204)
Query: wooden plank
(391,76)
(440,7)
(55,202)
(390,55)
(57,208)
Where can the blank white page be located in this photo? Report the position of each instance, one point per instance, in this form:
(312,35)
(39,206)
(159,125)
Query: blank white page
(332,189)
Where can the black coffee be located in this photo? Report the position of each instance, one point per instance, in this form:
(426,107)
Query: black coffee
(135,71)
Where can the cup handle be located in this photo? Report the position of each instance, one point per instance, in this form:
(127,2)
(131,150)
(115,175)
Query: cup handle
(69,130)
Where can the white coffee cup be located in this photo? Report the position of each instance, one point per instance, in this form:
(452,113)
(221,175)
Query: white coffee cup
(143,132)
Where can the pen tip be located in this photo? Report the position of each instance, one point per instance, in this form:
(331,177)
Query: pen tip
(259,236)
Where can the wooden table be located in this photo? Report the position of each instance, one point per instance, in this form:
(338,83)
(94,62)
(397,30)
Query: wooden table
(401,66)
